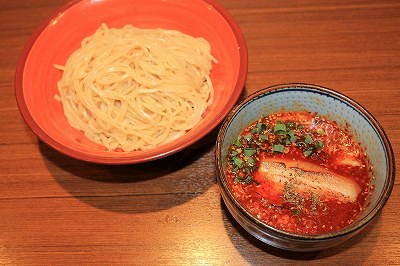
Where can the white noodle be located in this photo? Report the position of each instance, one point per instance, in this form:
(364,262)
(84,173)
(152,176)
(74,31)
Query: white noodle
(136,89)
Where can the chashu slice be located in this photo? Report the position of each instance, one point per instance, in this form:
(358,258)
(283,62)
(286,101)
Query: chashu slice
(308,177)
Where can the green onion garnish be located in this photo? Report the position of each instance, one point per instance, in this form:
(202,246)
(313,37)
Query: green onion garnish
(280,129)
(237,161)
(251,161)
(237,143)
(308,139)
(249,152)
(320,131)
(247,137)
(278,148)
(248,179)
(308,152)
(319,144)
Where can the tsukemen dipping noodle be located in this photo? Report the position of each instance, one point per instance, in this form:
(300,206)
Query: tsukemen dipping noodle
(135,89)
(300,172)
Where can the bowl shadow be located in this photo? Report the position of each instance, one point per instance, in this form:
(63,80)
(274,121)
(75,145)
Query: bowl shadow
(233,229)
(136,188)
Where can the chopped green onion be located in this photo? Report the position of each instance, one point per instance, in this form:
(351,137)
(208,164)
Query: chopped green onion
(237,161)
(247,137)
(278,148)
(263,137)
(261,127)
(280,129)
(291,133)
(237,180)
(292,136)
(308,152)
(248,170)
(280,132)
(248,179)
(320,131)
(308,139)
(251,161)
(237,143)
(319,144)
(249,152)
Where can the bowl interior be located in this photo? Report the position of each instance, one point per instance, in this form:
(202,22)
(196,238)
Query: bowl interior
(327,103)
(61,34)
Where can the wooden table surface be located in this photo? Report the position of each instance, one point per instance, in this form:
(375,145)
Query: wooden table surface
(58,210)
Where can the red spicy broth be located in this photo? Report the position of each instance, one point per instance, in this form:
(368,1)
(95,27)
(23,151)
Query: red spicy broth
(299,172)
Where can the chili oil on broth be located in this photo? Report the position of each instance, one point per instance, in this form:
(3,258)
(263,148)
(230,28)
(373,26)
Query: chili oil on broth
(133,89)
(300,172)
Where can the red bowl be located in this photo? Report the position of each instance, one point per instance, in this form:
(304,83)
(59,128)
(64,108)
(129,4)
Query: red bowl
(60,34)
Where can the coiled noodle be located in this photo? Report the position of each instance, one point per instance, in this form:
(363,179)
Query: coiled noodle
(135,89)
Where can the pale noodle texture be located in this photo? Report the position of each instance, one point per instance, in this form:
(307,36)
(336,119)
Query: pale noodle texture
(135,89)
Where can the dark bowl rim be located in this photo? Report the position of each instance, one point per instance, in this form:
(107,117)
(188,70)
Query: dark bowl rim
(66,150)
(383,198)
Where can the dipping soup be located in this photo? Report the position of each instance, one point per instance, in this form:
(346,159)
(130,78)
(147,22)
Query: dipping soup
(300,172)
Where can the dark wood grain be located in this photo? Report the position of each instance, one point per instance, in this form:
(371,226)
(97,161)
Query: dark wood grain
(57,210)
